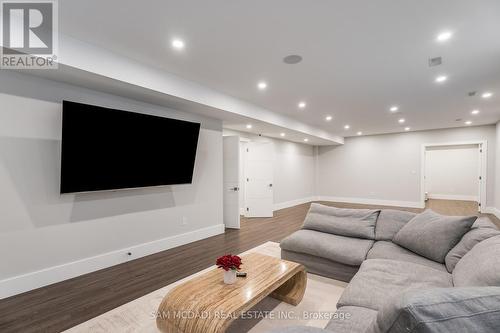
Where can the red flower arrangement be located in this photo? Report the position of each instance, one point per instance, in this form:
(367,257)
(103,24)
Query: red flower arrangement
(229,262)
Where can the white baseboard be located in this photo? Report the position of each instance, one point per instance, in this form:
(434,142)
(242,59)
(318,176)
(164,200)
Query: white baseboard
(453,197)
(22,283)
(367,201)
(291,203)
(491,210)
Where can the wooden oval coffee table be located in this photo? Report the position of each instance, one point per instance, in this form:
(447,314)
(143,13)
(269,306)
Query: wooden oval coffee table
(205,304)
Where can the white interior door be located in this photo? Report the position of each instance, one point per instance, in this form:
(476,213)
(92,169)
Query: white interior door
(259,179)
(231,181)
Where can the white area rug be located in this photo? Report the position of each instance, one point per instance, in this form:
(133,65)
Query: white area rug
(319,301)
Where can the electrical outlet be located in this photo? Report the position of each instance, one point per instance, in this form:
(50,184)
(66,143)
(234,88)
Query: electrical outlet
(184,220)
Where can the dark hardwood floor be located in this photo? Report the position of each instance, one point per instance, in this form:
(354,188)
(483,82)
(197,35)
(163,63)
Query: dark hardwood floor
(62,305)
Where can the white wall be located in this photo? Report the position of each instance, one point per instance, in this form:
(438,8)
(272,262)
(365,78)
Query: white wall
(41,229)
(385,169)
(495,209)
(452,172)
(294,170)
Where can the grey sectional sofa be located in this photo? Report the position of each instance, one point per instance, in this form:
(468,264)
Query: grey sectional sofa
(407,272)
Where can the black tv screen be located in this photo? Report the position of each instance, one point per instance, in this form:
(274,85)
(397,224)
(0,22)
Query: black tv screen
(108,149)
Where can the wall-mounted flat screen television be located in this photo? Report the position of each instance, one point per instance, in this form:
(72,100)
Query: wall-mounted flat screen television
(109,149)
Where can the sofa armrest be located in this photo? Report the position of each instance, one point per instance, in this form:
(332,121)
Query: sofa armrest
(471,309)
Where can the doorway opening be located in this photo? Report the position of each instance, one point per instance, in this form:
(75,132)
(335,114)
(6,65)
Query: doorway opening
(454,171)
(248,179)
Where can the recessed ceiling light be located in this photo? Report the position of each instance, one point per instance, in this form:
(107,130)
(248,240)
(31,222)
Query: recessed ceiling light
(441,78)
(262,85)
(487,94)
(359,133)
(302,105)
(249,126)
(407,128)
(328,118)
(475,112)
(346,127)
(402,120)
(178,44)
(306,139)
(282,134)
(468,122)
(394,109)
(444,36)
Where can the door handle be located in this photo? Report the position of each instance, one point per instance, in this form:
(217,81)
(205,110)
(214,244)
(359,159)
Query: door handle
(270,185)
(235,189)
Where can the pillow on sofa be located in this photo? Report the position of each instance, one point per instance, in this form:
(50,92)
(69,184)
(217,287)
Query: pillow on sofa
(433,235)
(468,241)
(358,223)
(441,310)
(480,266)
(390,222)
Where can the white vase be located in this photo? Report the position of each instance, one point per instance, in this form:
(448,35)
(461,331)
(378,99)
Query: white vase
(230,276)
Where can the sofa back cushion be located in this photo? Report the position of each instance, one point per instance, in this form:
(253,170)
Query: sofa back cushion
(484,222)
(390,222)
(433,235)
(358,223)
(468,241)
(441,310)
(480,266)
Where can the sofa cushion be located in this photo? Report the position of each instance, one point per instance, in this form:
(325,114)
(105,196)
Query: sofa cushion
(321,266)
(390,222)
(480,266)
(433,235)
(346,250)
(389,250)
(468,241)
(379,279)
(344,222)
(484,222)
(352,319)
(442,310)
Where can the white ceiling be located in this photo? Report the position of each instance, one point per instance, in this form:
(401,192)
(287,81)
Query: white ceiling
(360,57)
(231,120)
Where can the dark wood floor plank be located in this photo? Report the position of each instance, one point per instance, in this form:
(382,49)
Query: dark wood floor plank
(62,305)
